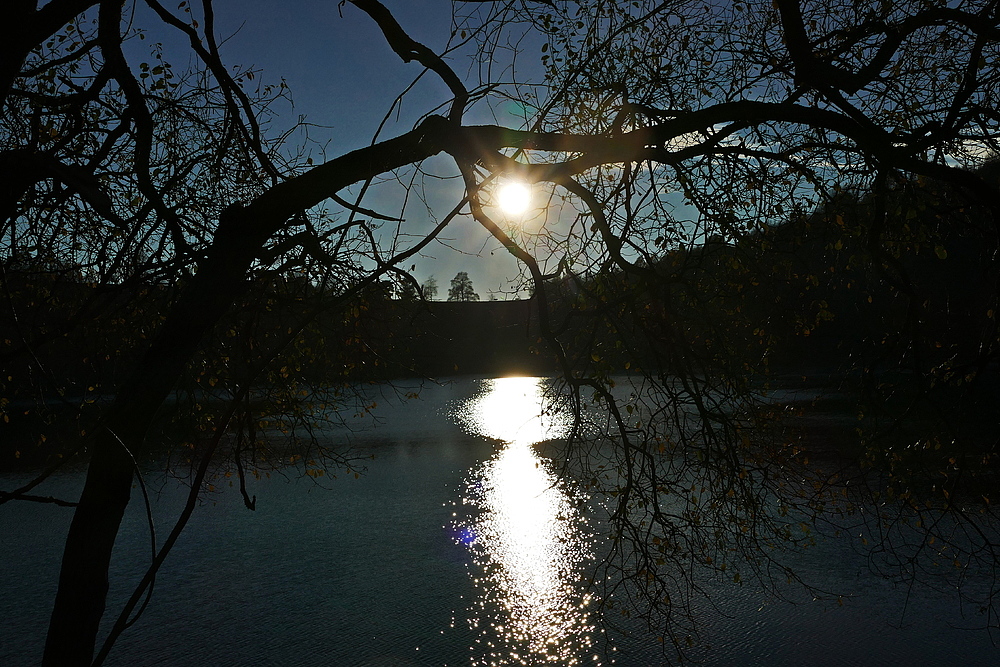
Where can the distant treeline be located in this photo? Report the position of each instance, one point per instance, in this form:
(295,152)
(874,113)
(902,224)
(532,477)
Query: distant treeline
(904,307)
(66,345)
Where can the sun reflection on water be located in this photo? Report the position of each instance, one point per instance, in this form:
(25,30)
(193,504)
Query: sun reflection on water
(525,534)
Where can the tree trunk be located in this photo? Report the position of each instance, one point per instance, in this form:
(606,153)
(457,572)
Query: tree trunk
(221,278)
(83,580)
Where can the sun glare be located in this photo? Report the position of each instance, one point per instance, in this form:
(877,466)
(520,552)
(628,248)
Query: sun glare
(526,534)
(514,198)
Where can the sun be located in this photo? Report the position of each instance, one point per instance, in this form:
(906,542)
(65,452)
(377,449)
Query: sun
(514,197)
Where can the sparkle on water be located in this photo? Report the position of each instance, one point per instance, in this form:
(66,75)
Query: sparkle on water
(514,197)
(525,535)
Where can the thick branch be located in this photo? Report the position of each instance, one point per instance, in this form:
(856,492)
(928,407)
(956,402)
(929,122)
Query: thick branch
(649,143)
(221,279)
(28,28)
(408,49)
(820,75)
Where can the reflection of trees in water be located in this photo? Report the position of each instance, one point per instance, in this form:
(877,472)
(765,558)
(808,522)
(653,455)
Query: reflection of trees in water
(704,496)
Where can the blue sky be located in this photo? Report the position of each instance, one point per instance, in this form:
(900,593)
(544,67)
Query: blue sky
(343,76)
(339,68)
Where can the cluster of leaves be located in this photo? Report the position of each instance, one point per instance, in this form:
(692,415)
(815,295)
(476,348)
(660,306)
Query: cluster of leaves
(726,180)
(119,168)
(742,249)
(708,468)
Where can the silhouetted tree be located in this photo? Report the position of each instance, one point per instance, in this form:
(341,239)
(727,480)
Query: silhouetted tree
(406,290)
(461,288)
(655,125)
(429,288)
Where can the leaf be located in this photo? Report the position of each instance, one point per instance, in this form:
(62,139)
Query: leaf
(940,252)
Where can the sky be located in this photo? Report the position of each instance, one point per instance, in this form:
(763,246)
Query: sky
(344,77)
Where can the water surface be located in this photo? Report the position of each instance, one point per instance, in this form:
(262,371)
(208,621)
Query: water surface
(460,545)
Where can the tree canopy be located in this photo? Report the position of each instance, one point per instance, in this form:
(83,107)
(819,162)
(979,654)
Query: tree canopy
(429,288)
(723,180)
(461,288)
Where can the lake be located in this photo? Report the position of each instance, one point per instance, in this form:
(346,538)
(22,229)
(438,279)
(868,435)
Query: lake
(459,545)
